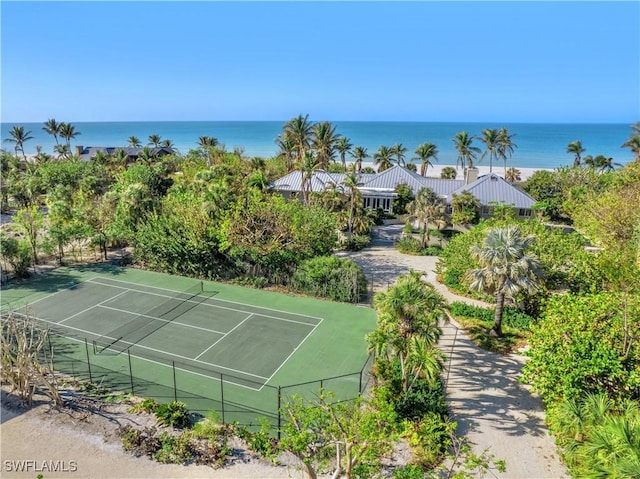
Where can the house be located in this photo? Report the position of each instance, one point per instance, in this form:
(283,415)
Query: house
(90,152)
(378,189)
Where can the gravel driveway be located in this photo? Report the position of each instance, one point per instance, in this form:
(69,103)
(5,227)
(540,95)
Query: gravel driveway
(485,398)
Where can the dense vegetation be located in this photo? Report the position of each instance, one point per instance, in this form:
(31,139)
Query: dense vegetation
(210,214)
(584,314)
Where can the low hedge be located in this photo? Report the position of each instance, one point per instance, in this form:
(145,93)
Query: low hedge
(511,316)
(339,279)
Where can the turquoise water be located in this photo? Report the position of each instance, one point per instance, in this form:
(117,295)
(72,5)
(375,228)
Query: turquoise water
(539,145)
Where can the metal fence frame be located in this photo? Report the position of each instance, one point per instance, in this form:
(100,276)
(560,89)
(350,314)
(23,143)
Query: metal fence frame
(127,380)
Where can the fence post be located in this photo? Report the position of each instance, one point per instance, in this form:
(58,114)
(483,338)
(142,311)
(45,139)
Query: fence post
(175,386)
(130,371)
(279,412)
(50,349)
(86,347)
(222,396)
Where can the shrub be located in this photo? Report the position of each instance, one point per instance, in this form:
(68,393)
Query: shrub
(173,414)
(173,449)
(339,279)
(429,437)
(408,245)
(261,441)
(146,405)
(511,316)
(355,242)
(410,471)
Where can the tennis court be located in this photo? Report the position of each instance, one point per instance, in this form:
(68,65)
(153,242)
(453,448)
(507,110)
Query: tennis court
(239,351)
(246,342)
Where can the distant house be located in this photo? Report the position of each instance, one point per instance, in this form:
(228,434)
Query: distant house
(378,189)
(90,152)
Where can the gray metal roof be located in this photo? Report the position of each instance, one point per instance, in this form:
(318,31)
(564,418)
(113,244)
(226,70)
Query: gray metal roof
(396,175)
(492,187)
(487,188)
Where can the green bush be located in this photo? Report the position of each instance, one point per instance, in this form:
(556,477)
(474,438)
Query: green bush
(339,279)
(146,405)
(173,414)
(511,316)
(261,441)
(429,438)
(355,242)
(410,471)
(409,245)
(173,449)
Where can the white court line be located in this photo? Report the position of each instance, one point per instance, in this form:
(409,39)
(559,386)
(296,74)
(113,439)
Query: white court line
(230,331)
(73,285)
(177,367)
(214,299)
(91,307)
(292,353)
(210,305)
(93,333)
(159,319)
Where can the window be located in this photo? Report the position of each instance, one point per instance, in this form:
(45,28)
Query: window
(526,212)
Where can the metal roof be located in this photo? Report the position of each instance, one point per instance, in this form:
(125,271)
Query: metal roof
(492,187)
(488,188)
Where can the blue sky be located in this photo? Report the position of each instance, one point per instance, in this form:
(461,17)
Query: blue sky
(415,61)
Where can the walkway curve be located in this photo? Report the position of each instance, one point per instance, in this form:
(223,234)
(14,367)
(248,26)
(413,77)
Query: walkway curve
(491,407)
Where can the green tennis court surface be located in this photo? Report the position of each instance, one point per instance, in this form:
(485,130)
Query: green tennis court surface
(215,346)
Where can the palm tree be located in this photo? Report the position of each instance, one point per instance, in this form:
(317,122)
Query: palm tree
(513,175)
(505,268)
(409,313)
(351,181)
(286,150)
(359,154)
(425,153)
(299,132)
(633,142)
(466,152)
(323,142)
(258,179)
(52,127)
(343,146)
(206,142)
(425,207)
(505,146)
(600,163)
(308,167)
(154,140)
(63,150)
(490,137)
(134,142)
(257,164)
(448,173)
(68,131)
(18,138)
(398,150)
(575,148)
(167,144)
(382,158)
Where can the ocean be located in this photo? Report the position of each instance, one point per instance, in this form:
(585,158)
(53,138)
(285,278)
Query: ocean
(539,145)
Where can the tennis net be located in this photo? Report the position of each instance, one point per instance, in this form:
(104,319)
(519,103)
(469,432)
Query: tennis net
(123,337)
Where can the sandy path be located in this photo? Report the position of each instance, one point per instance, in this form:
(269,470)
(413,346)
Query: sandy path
(485,398)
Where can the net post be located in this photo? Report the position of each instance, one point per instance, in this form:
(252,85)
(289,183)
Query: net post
(130,371)
(175,387)
(222,395)
(279,411)
(86,348)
